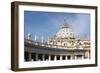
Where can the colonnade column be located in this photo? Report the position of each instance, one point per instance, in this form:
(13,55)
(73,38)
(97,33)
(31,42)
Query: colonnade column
(82,56)
(75,57)
(49,57)
(61,57)
(55,57)
(66,58)
(43,57)
(36,57)
(71,57)
(29,57)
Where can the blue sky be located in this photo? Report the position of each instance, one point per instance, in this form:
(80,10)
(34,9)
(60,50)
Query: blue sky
(46,24)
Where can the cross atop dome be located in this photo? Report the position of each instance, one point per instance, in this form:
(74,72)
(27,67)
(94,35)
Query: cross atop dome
(65,24)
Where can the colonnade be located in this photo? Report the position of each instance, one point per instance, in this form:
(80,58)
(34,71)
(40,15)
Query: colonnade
(49,57)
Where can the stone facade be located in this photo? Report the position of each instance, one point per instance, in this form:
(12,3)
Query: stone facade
(65,38)
(62,46)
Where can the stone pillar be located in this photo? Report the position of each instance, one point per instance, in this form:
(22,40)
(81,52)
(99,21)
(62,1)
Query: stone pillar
(87,54)
(55,58)
(43,57)
(71,57)
(75,57)
(66,58)
(49,57)
(32,59)
(61,57)
(29,57)
(82,56)
(36,57)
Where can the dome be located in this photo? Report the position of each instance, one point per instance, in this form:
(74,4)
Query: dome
(65,31)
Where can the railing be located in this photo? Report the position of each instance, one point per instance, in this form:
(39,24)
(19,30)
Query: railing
(48,45)
(37,43)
